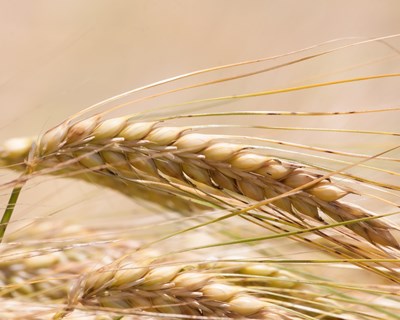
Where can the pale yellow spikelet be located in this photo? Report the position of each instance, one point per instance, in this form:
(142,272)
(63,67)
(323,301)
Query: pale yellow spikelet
(284,281)
(96,281)
(53,138)
(166,306)
(247,161)
(303,207)
(118,163)
(114,303)
(299,178)
(128,273)
(327,192)
(246,305)
(193,142)
(136,131)
(283,203)
(258,269)
(89,160)
(221,151)
(196,173)
(143,163)
(275,169)
(192,281)
(219,291)
(168,167)
(164,135)
(109,128)
(224,181)
(251,190)
(16,148)
(82,130)
(160,276)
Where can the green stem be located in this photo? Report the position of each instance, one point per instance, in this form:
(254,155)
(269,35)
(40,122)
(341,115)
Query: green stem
(9,210)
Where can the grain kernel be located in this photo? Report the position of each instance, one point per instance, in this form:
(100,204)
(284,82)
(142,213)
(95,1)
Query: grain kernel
(16,147)
(328,192)
(219,291)
(251,190)
(275,171)
(246,305)
(128,273)
(109,128)
(142,163)
(306,208)
(90,160)
(53,138)
(136,131)
(258,270)
(97,280)
(160,275)
(192,281)
(221,151)
(164,135)
(82,129)
(197,174)
(298,178)
(193,142)
(248,161)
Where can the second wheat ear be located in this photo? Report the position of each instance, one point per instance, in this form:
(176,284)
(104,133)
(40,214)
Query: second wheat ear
(148,282)
(171,165)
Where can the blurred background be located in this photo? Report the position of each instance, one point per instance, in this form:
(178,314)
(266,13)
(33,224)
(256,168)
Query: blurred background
(58,57)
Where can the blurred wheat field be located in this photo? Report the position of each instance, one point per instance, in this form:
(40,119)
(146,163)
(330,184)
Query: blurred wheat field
(79,250)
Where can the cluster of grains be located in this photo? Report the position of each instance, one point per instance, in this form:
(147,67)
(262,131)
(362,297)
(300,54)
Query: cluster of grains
(36,275)
(142,284)
(171,165)
(261,275)
(42,271)
(280,287)
(92,276)
(171,289)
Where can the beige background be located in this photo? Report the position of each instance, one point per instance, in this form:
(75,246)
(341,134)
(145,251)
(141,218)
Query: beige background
(58,57)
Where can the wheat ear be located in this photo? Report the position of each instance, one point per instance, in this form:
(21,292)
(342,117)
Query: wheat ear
(141,283)
(155,162)
(45,273)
